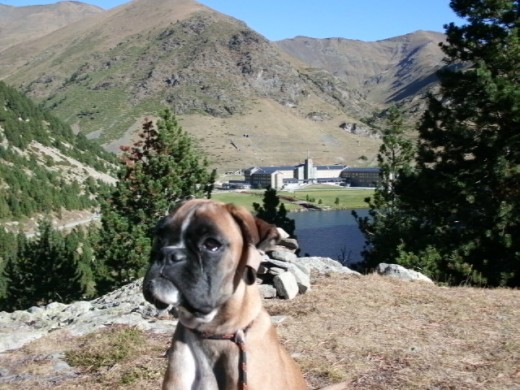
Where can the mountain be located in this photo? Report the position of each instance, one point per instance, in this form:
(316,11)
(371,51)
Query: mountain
(246,100)
(21,24)
(395,70)
(44,167)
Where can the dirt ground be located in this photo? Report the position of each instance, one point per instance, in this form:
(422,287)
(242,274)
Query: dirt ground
(371,332)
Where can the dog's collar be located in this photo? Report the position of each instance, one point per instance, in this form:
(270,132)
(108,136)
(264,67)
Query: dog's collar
(239,338)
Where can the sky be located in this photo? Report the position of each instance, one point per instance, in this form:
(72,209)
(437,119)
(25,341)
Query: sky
(366,20)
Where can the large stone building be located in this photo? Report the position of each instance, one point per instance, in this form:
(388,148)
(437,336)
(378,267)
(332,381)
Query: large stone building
(307,173)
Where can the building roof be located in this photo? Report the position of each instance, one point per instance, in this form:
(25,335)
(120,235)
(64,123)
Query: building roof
(361,170)
(269,170)
(329,167)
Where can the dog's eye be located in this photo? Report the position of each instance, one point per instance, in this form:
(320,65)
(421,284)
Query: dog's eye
(212,245)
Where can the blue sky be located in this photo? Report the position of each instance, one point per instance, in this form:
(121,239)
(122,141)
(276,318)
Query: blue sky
(367,20)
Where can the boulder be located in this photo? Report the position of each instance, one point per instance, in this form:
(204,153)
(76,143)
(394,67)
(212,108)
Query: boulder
(286,285)
(283,256)
(283,234)
(303,279)
(123,306)
(325,265)
(267,291)
(400,272)
(276,271)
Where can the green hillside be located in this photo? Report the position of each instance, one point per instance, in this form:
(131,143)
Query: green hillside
(44,166)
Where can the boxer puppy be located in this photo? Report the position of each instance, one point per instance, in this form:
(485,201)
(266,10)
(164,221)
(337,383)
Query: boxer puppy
(203,264)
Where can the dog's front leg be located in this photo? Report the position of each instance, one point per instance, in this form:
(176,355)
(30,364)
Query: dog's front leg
(187,369)
(181,373)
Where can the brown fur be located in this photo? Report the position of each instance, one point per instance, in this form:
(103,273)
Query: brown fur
(195,362)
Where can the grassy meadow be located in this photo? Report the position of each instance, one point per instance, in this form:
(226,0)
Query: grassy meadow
(324,196)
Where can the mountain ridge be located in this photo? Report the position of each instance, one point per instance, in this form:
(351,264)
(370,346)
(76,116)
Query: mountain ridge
(19,24)
(105,73)
(366,64)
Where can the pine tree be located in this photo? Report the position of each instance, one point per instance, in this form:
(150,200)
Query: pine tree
(463,204)
(8,249)
(15,292)
(159,170)
(42,271)
(273,211)
(382,228)
(78,248)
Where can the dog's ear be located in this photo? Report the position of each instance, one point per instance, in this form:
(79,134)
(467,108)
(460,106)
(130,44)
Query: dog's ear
(256,234)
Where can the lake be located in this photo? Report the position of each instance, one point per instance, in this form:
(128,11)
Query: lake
(333,234)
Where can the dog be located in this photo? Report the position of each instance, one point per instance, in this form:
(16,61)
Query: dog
(203,264)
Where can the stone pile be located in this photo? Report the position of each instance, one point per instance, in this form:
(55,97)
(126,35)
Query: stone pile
(283,274)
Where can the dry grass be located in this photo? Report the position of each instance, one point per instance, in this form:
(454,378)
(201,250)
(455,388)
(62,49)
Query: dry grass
(373,332)
(379,333)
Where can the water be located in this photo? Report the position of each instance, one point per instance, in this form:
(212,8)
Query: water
(333,234)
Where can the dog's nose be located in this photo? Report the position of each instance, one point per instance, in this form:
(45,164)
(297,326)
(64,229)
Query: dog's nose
(172,255)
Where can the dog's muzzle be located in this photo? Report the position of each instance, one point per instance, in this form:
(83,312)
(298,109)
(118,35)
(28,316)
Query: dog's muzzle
(161,292)
(171,255)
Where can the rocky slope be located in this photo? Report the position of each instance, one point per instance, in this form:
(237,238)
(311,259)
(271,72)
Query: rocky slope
(368,331)
(103,74)
(124,306)
(395,70)
(387,70)
(246,100)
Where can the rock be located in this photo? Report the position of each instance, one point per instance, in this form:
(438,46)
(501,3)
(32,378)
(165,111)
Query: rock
(289,243)
(262,270)
(303,279)
(276,271)
(286,285)
(324,265)
(304,268)
(283,256)
(18,336)
(280,247)
(283,234)
(78,308)
(123,306)
(127,305)
(400,272)
(277,320)
(267,291)
(277,263)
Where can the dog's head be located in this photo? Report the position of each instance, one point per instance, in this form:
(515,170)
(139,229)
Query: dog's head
(202,251)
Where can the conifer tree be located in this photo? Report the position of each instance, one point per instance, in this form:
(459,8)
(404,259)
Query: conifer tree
(382,228)
(158,171)
(42,271)
(463,203)
(7,252)
(273,211)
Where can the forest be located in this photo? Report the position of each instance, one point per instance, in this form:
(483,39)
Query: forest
(52,265)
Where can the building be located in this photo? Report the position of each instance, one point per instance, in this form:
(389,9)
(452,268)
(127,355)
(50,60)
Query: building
(307,173)
(360,177)
(263,177)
